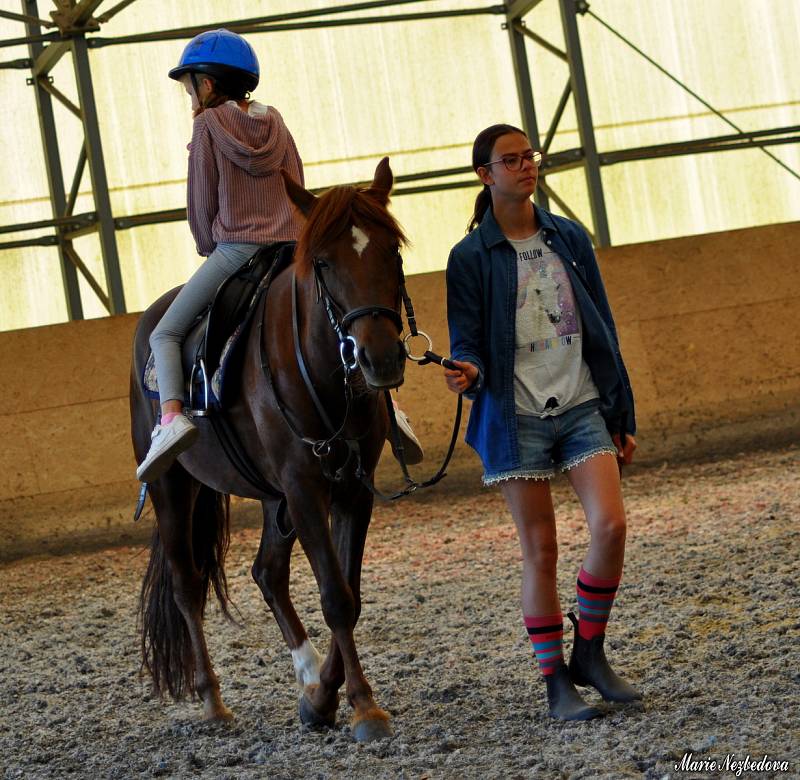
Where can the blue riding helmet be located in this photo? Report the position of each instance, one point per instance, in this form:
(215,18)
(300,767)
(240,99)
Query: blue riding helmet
(222,54)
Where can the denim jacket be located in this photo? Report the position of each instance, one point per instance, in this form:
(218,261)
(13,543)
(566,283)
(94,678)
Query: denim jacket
(481,315)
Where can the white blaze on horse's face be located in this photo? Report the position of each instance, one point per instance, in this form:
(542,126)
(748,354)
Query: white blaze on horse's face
(360,240)
(306,664)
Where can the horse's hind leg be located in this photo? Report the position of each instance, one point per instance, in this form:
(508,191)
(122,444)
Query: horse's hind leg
(187,556)
(271,573)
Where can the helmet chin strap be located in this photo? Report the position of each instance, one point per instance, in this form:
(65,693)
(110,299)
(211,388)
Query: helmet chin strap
(193,77)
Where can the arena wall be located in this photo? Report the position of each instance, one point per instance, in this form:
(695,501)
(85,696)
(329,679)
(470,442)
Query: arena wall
(708,326)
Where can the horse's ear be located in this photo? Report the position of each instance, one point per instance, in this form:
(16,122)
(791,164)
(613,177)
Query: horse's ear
(382,183)
(301,197)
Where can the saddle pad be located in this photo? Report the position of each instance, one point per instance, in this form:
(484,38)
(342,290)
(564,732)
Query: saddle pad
(150,380)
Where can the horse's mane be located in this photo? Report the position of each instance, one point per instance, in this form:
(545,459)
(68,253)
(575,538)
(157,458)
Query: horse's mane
(335,211)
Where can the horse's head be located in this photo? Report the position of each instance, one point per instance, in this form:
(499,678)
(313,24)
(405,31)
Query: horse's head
(351,243)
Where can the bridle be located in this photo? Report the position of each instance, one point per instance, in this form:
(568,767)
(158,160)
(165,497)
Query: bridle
(340,321)
(348,348)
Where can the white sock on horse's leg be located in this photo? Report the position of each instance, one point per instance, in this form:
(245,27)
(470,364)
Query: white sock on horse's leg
(307,662)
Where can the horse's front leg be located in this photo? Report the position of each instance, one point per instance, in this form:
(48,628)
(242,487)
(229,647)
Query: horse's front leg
(340,606)
(350,524)
(271,572)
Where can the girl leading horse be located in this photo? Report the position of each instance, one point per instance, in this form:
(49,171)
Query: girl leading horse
(349,245)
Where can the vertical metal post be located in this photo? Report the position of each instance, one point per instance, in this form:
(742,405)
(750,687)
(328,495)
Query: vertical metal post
(52,159)
(569,20)
(522,75)
(97,170)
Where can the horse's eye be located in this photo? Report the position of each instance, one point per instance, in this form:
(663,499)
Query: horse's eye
(322,264)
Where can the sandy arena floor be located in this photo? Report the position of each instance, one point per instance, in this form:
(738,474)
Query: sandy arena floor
(706,625)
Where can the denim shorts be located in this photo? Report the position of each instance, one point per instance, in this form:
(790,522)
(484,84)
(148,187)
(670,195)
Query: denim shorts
(557,442)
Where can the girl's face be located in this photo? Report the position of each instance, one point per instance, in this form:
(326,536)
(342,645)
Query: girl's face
(204,86)
(510,184)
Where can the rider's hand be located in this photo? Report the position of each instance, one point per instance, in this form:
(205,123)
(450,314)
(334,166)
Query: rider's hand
(463,379)
(624,454)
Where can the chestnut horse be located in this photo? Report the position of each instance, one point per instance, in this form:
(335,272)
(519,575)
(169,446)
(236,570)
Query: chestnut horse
(347,278)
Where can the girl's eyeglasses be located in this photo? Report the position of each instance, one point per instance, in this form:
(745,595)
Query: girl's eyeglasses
(513,162)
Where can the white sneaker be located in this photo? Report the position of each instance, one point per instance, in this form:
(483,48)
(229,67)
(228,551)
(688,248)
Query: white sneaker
(168,441)
(411,446)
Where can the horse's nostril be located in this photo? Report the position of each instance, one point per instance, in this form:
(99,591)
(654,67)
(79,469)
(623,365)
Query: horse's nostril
(363,360)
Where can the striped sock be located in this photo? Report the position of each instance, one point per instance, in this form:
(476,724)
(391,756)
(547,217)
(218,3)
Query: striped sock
(546,633)
(595,599)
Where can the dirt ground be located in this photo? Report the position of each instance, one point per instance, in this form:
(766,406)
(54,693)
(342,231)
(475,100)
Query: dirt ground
(706,624)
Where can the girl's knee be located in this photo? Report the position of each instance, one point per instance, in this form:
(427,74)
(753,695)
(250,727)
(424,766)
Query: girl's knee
(541,555)
(162,335)
(610,530)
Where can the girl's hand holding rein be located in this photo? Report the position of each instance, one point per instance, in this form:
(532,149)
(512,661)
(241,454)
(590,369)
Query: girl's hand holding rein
(459,381)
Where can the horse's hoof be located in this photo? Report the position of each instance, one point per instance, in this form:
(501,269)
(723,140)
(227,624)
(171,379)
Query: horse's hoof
(369,730)
(219,714)
(310,717)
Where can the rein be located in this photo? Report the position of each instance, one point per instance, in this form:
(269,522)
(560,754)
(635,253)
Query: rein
(323,448)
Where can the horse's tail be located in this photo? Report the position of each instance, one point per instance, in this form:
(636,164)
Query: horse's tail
(165,640)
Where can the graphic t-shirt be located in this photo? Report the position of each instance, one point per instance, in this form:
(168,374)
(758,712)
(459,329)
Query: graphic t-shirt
(550,374)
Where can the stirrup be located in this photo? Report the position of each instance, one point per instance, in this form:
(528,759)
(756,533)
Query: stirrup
(192,411)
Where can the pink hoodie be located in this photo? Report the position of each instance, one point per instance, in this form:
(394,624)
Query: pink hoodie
(235,191)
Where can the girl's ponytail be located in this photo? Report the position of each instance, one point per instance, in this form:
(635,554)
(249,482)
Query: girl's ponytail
(482,203)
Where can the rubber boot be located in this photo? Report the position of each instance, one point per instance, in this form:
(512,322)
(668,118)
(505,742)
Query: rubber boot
(564,701)
(588,666)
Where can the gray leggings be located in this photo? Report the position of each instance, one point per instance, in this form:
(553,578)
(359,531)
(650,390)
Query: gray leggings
(167,337)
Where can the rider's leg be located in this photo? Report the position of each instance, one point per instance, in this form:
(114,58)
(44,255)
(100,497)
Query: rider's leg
(176,433)
(195,295)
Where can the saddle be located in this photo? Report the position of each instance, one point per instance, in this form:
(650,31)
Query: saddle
(212,348)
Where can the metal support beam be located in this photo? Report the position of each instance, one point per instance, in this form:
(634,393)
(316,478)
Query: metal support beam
(69,222)
(562,204)
(758,139)
(44,83)
(34,20)
(543,42)
(112,12)
(76,182)
(55,178)
(49,240)
(559,112)
(518,8)
(569,20)
(97,171)
(75,17)
(522,75)
(96,42)
(48,56)
(90,280)
(22,64)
